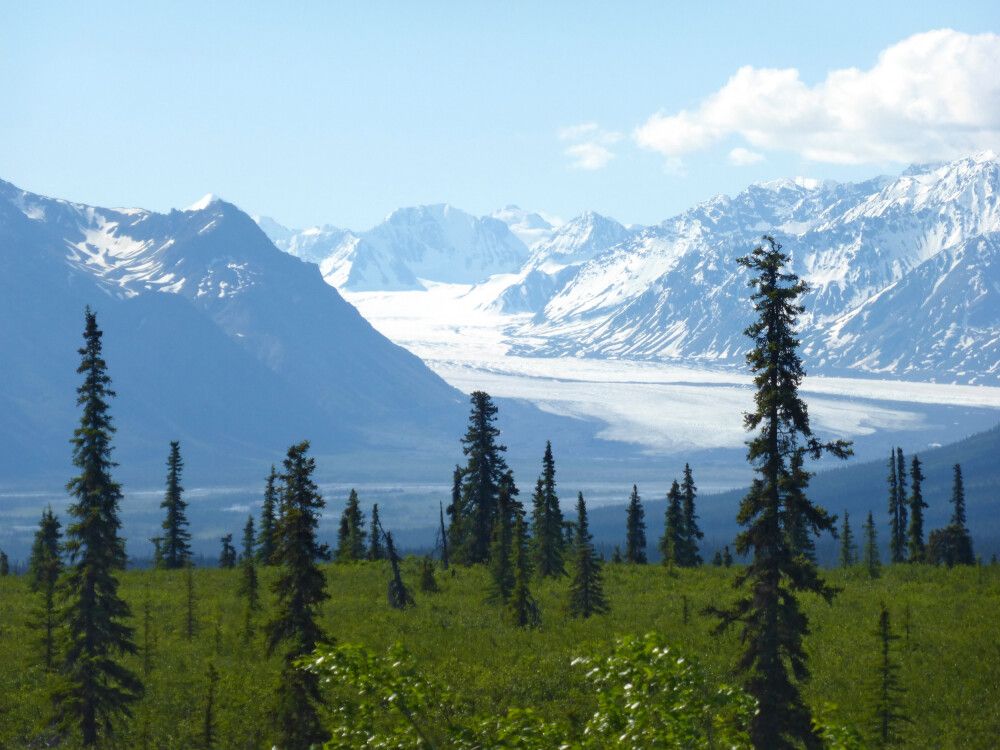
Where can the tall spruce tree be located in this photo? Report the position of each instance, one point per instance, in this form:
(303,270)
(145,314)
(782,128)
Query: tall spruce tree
(521,606)
(96,688)
(175,548)
(635,530)
(351,536)
(692,533)
(443,535)
(952,545)
(873,560)
(547,540)
(301,590)
(896,526)
(44,568)
(208,731)
(773,625)
(481,478)
(915,534)
(901,500)
(586,588)
(957,497)
(888,716)
(267,540)
(798,531)
(249,540)
(456,513)
(848,549)
(672,541)
(376,549)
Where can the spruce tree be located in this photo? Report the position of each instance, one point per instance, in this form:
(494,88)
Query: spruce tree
(4,564)
(873,560)
(443,535)
(480,480)
(915,540)
(300,589)
(635,530)
(44,568)
(902,501)
(96,687)
(521,606)
(249,541)
(727,557)
(500,562)
(692,533)
(952,545)
(848,549)
(456,513)
(897,526)
(376,551)
(586,589)
(399,595)
(888,716)
(958,498)
(799,531)
(267,540)
(717,559)
(351,537)
(773,625)
(227,557)
(672,541)
(175,549)
(548,544)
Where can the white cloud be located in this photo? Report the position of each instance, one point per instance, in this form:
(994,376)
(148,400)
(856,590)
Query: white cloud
(744,157)
(934,95)
(590,145)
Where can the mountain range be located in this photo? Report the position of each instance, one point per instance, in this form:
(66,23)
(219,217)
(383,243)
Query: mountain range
(902,273)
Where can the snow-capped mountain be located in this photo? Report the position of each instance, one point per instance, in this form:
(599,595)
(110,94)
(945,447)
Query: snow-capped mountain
(532,228)
(883,258)
(213,336)
(436,243)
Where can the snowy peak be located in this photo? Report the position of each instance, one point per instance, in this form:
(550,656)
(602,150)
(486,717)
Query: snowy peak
(531,228)
(204,202)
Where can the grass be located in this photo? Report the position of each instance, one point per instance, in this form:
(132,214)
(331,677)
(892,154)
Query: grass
(948,621)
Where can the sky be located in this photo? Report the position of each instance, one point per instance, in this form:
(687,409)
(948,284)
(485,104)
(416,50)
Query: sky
(337,113)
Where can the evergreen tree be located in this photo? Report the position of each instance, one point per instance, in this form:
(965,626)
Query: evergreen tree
(96,688)
(727,558)
(915,541)
(456,512)
(175,549)
(521,606)
(300,589)
(249,541)
(190,602)
(267,541)
(44,568)
(672,541)
(480,480)
(501,566)
(227,558)
(952,545)
(958,498)
(428,583)
(351,537)
(799,531)
(157,542)
(901,501)
(888,714)
(586,589)
(548,543)
(375,549)
(848,549)
(773,624)
(873,561)
(4,564)
(692,534)
(443,534)
(717,559)
(399,595)
(635,530)
(208,726)
(896,524)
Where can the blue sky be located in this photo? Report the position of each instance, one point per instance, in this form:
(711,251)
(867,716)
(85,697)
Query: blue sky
(338,113)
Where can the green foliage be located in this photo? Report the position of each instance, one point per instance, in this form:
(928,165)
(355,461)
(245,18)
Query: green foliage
(376,550)
(547,522)
(522,610)
(428,583)
(208,734)
(888,716)
(95,688)
(915,533)
(227,557)
(692,534)
(399,594)
(635,529)
(174,548)
(249,541)
(44,568)
(351,533)
(586,588)
(848,549)
(267,541)
(873,560)
(778,516)
(672,541)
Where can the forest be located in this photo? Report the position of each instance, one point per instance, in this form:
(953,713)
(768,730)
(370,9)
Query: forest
(513,631)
